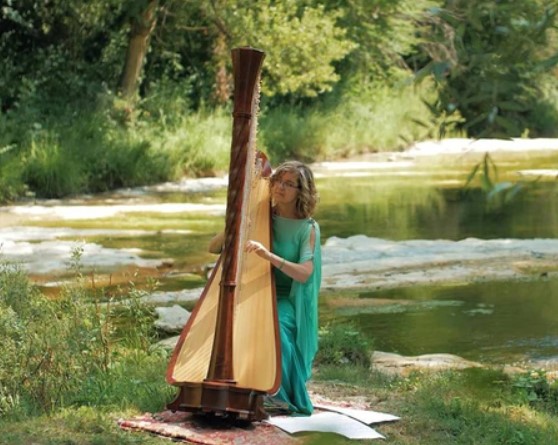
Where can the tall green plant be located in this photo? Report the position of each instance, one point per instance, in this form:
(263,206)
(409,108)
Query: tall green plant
(11,184)
(343,345)
(51,169)
(497,194)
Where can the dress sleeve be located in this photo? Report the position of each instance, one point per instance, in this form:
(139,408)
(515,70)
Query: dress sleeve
(305,299)
(306,253)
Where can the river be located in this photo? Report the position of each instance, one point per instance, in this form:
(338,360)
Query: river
(418,262)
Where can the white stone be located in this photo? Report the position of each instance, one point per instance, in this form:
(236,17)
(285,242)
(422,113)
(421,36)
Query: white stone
(171,319)
(391,363)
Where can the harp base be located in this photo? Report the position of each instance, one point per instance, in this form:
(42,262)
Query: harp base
(220,400)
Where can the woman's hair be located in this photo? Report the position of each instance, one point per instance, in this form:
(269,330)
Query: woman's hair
(307,194)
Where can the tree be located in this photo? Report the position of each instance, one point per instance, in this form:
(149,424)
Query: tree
(143,18)
(385,32)
(302,42)
(486,60)
(54,52)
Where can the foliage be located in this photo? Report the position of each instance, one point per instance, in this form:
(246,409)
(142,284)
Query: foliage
(385,32)
(538,389)
(52,169)
(68,350)
(489,60)
(11,184)
(372,121)
(334,77)
(302,42)
(343,345)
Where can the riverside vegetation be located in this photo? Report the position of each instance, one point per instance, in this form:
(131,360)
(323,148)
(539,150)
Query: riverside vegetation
(92,151)
(146,97)
(72,365)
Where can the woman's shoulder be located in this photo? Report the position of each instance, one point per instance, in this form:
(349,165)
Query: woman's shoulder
(309,226)
(313,223)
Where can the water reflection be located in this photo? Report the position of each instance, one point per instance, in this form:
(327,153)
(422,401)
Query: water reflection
(490,322)
(352,206)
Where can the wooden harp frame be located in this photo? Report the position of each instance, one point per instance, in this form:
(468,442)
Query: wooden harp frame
(228,355)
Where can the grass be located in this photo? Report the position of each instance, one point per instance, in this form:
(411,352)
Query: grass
(376,120)
(79,426)
(476,406)
(73,366)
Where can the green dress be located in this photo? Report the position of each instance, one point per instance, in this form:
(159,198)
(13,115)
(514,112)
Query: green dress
(297,307)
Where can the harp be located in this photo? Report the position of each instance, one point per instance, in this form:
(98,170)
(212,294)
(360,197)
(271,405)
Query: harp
(228,354)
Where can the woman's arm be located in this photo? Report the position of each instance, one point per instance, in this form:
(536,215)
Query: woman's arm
(216,243)
(297,271)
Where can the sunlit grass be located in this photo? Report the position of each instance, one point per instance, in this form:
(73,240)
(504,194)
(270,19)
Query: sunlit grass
(457,407)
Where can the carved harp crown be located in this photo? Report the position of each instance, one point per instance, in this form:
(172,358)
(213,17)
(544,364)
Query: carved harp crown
(228,355)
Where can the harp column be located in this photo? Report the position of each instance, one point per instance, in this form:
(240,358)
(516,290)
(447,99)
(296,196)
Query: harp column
(247,61)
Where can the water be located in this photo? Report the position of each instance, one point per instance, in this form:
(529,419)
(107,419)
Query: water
(396,209)
(498,322)
(424,199)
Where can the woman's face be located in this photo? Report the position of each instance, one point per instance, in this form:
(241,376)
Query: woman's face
(285,189)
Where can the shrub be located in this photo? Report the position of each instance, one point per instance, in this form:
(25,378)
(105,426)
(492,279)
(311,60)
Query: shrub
(539,391)
(52,349)
(343,345)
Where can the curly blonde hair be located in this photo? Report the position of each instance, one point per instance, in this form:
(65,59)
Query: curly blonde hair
(307,194)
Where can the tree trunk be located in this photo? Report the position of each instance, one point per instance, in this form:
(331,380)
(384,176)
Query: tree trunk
(141,28)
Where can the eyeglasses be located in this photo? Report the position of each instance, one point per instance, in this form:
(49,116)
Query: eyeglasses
(286,184)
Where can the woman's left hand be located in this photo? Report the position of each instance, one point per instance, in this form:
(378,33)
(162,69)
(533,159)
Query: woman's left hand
(258,248)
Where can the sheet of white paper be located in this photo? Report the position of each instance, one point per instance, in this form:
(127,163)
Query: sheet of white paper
(368,417)
(328,422)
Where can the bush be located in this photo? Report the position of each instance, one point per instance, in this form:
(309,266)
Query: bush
(540,392)
(343,345)
(55,352)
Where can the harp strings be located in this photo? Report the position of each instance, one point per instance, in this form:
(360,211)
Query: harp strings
(252,174)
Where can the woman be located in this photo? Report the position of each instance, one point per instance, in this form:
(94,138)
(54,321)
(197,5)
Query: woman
(296,258)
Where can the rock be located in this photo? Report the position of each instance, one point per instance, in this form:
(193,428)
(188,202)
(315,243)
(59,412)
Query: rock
(549,364)
(512,370)
(395,364)
(173,297)
(168,343)
(171,319)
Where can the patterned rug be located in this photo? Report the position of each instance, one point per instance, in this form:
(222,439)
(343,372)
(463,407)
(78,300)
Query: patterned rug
(189,428)
(195,429)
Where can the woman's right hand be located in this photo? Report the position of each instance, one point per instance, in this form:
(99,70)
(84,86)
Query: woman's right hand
(259,249)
